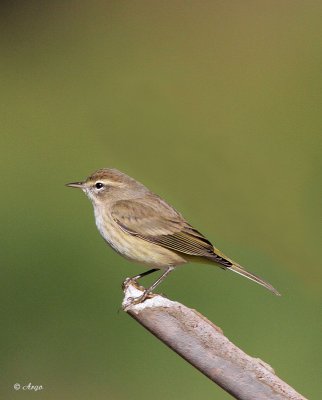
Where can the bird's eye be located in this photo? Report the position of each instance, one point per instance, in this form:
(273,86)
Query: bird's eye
(99,185)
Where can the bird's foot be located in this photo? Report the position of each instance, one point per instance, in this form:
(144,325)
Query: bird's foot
(133,282)
(132,301)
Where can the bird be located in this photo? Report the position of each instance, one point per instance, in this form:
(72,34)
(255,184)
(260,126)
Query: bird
(142,227)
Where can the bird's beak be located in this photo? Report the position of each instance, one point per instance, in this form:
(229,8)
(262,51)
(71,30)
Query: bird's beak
(79,185)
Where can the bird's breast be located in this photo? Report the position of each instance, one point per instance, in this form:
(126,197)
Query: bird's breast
(133,247)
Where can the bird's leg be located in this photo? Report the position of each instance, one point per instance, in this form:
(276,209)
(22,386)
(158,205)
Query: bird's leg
(139,276)
(134,279)
(147,292)
(161,279)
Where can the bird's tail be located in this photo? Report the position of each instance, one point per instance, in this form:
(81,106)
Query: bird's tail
(241,271)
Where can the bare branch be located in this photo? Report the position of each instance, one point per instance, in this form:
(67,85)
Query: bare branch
(204,346)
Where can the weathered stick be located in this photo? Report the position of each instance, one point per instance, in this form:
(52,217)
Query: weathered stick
(204,346)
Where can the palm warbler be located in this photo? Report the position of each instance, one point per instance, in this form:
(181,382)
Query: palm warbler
(142,227)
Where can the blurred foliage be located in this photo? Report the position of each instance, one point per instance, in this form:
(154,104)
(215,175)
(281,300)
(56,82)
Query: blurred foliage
(216,106)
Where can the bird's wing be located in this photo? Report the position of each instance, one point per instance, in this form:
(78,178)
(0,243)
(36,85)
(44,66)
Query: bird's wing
(157,222)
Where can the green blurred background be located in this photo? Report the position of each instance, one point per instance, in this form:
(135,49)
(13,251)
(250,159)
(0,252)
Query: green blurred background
(216,106)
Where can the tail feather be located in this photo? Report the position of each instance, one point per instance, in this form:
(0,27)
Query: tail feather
(241,271)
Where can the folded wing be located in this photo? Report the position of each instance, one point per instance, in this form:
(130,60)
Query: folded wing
(157,222)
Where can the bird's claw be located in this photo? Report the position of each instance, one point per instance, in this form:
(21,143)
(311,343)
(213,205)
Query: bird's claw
(133,282)
(132,301)
(126,283)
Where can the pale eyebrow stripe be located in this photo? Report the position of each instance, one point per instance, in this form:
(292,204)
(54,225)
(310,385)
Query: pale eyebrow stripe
(108,182)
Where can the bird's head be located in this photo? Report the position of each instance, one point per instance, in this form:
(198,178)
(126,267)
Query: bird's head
(108,185)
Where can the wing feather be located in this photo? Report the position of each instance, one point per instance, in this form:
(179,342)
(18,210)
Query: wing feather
(155,221)
(159,223)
